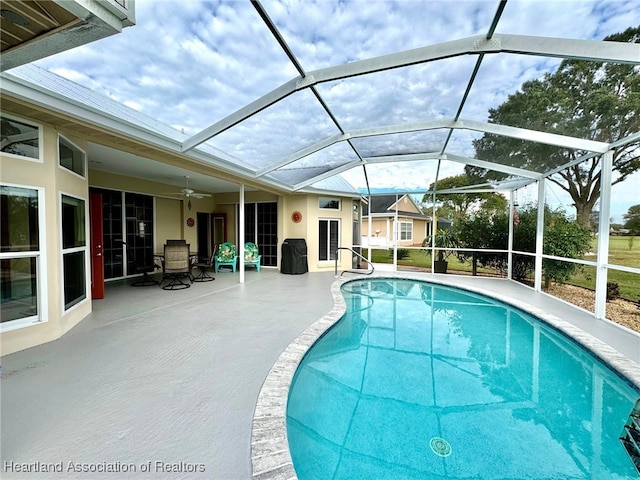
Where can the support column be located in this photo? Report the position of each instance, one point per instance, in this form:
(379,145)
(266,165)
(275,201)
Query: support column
(241,235)
(602,258)
(512,199)
(539,236)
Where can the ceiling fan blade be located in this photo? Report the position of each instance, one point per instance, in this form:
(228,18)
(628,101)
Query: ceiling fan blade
(200,195)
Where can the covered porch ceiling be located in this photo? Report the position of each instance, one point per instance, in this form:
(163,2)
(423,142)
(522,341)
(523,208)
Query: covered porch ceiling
(396,121)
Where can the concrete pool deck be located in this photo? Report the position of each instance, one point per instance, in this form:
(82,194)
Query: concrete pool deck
(165,384)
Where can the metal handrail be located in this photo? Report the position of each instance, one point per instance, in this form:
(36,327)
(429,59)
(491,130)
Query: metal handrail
(368,272)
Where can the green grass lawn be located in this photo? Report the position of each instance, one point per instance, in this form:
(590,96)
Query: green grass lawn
(419,258)
(622,251)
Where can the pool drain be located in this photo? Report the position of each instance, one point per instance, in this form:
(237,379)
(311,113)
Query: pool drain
(440,446)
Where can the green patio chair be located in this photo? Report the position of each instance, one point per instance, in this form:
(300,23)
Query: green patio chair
(252,255)
(226,256)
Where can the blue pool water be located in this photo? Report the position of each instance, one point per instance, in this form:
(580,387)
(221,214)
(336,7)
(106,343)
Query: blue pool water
(425,381)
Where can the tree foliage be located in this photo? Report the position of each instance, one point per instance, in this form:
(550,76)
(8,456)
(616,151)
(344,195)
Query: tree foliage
(457,205)
(632,220)
(589,100)
(563,237)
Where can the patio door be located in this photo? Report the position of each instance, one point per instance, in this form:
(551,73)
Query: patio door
(261,227)
(97,240)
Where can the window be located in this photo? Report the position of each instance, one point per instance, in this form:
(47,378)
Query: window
(329,203)
(73,250)
(328,239)
(19,138)
(70,156)
(19,255)
(406,231)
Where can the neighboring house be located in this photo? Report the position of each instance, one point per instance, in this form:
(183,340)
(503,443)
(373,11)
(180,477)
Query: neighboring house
(390,215)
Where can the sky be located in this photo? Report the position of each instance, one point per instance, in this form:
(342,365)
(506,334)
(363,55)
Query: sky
(191,63)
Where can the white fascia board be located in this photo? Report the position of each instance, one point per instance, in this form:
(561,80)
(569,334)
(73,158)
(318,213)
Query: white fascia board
(91,26)
(519,172)
(109,12)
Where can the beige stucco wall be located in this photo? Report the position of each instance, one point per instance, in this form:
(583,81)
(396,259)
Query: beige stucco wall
(385,235)
(55,181)
(170,221)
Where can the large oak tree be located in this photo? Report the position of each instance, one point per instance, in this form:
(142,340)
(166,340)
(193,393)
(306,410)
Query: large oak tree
(590,100)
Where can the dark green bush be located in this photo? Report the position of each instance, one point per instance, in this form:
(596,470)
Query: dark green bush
(613,290)
(402,253)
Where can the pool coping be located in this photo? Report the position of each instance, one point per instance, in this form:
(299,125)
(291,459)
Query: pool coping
(270,455)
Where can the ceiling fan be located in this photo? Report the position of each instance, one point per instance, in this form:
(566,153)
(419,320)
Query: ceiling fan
(188,192)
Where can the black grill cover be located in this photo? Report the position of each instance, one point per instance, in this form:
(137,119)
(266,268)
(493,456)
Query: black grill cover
(294,256)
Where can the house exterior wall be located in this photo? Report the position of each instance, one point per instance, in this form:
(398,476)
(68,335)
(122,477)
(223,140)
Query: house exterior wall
(382,229)
(170,221)
(171,213)
(54,181)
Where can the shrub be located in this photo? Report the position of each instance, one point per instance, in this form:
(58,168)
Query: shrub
(402,253)
(613,290)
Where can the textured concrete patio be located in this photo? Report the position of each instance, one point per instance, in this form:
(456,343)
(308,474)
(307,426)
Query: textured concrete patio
(164,384)
(156,376)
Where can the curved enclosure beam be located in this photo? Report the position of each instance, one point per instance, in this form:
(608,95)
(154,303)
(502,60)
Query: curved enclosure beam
(618,52)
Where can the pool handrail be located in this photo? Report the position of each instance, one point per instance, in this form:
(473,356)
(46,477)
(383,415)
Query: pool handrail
(368,272)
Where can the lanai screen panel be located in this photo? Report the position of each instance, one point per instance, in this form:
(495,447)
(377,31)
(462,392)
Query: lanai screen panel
(461,142)
(322,34)
(428,141)
(278,131)
(408,94)
(318,163)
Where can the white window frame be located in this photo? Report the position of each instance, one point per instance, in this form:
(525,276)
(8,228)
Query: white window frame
(84,157)
(401,223)
(40,158)
(41,267)
(329,220)
(64,251)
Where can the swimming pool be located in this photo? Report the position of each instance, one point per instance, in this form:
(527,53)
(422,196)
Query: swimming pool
(419,380)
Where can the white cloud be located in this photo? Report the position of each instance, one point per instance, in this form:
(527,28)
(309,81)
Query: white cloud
(191,63)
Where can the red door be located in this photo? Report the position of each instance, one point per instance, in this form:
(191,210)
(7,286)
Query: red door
(97,260)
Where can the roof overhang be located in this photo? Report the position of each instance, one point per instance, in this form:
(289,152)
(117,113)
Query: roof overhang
(31,30)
